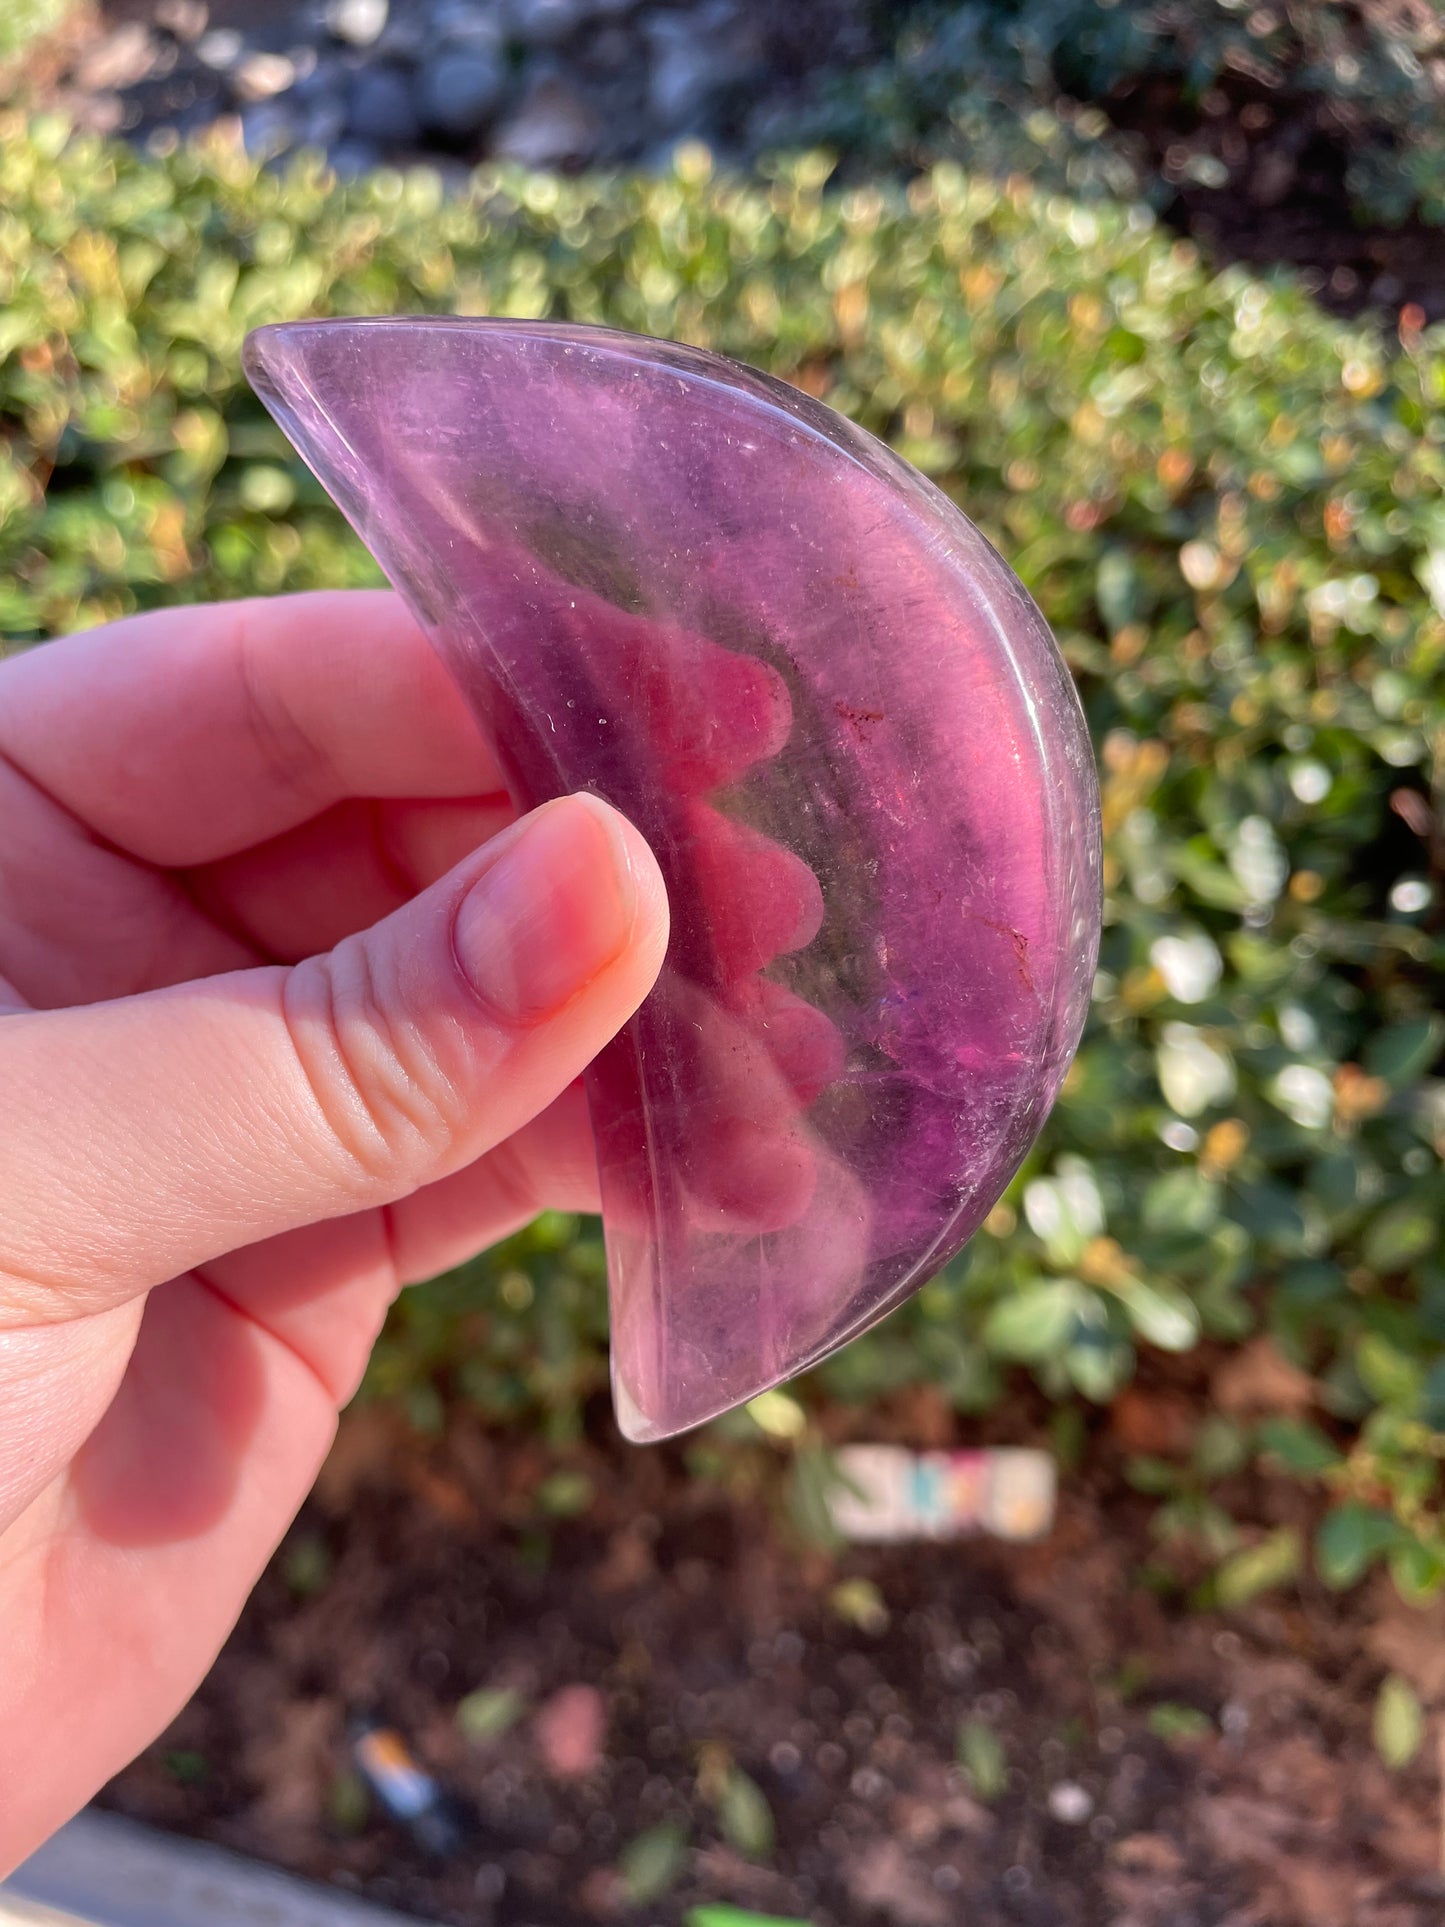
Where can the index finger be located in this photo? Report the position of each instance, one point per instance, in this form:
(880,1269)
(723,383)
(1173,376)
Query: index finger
(187,734)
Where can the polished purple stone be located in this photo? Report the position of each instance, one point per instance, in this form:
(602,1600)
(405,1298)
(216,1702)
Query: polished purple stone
(848,736)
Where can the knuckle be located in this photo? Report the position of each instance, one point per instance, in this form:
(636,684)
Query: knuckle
(384,1095)
(294,758)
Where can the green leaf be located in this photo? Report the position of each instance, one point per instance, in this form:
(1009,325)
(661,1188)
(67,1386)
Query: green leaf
(1387,1375)
(1035,1320)
(1399,1235)
(981,1755)
(1350,1540)
(306,1564)
(1182,1201)
(778,1414)
(1399,1722)
(1404,1052)
(1160,1313)
(1209,881)
(1299,1446)
(1116,587)
(348,1802)
(859,1602)
(1065,1211)
(1153,1475)
(1272,1214)
(1432,1397)
(1220,1448)
(489,1713)
(1273,1562)
(813,1477)
(1098,1364)
(1177,1723)
(1312,1282)
(564,1494)
(719,1916)
(1335,1181)
(652,1863)
(744,1817)
(1418,1571)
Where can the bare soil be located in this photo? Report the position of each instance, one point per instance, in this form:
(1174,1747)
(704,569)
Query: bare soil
(676,1629)
(1284,202)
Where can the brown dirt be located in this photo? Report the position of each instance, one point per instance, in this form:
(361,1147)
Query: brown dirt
(1285,202)
(704,1635)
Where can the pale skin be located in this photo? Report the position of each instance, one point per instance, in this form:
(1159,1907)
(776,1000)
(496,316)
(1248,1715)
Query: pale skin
(292,1014)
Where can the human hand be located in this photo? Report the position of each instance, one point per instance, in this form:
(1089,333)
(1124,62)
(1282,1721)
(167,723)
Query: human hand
(291,1014)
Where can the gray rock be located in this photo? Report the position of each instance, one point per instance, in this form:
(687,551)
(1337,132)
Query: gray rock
(351,158)
(261,76)
(406,39)
(694,57)
(546,23)
(268,128)
(357,22)
(466,21)
(323,122)
(186,19)
(327,82)
(612,51)
(381,108)
(552,126)
(220,48)
(682,69)
(461,87)
(120,59)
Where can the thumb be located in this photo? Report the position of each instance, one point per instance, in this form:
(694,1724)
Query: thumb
(142,1137)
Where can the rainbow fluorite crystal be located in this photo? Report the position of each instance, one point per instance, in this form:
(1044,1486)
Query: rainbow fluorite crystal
(848,736)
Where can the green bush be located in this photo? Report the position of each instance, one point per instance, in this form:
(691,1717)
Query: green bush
(26,20)
(1230,509)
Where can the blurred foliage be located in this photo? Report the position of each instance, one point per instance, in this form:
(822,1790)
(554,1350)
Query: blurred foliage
(22,21)
(1399,1722)
(1229,507)
(1019,84)
(981,1755)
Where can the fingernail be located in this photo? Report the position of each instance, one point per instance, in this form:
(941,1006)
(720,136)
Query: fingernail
(552,912)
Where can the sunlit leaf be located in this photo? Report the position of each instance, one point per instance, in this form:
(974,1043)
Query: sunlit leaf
(1034,1320)
(490,1712)
(1399,1722)
(1160,1313)
(1261,1568)
(652,1863)
(1403,1052)
(981,1755)
(744,1817)
(1350,1540)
